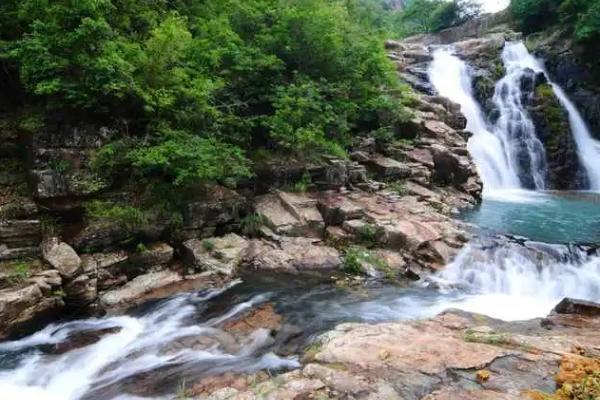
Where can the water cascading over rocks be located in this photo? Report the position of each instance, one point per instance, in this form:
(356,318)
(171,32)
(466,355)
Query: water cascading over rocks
(534,138)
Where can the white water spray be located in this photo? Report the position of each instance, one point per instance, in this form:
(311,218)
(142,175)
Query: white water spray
(132,346)
(450,76)
(513,282)
(514,127)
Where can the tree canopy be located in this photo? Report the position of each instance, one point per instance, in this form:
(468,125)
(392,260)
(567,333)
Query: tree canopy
(205,82)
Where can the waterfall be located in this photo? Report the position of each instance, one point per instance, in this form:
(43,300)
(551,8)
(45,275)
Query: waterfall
(515,281)
(450,76)
(509,155)
(525,152)
(516,57)
(588,149)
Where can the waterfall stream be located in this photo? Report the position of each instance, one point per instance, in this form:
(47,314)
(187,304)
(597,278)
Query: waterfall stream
(491,152)
(508,154)
(148,352)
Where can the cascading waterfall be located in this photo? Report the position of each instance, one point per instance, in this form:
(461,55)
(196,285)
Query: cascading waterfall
(525,152)
(509,155)
(516,57)
(587,147)
(512,281)
(450,76)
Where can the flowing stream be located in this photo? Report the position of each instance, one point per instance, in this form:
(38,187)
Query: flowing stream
(151,350)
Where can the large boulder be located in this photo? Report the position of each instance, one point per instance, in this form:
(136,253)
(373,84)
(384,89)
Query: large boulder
(107,268)
(61,256)
(450,168)
(215,254)
(291,214)
(337,208)
(219,206)
(22,308)
(575,306)
(81,291)
(291,255)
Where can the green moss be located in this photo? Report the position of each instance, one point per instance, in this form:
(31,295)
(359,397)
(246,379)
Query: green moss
(208,245)
(553,116)
(107,211)
(398,187)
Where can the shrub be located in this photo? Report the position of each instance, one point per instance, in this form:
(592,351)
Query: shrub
(368,235)
(107,211)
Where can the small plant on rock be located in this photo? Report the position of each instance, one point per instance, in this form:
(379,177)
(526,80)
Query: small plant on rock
(252,223)
(368,235)
(208,245)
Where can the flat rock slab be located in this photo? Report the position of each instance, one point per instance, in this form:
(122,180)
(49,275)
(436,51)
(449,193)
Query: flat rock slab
(136,288)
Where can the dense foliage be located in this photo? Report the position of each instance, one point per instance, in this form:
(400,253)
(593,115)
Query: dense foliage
(203,84)
(580,17)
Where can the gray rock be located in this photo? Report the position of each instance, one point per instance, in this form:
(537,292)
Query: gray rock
(291,214)
(133,290)
(221,255)
(576,306)
(21,308)
(82,291)
(49,184)
(61,256)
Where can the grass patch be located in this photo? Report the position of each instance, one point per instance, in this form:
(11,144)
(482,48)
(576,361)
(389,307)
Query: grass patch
(398,187)
(18,271)
(208,245)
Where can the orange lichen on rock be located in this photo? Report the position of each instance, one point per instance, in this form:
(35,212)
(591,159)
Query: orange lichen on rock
(577,379)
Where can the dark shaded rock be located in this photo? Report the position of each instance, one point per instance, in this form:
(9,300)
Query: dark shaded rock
(82,291)
(553,129)
(99,235)
(49,184)
(575,306)
(20,233)
(220,206)
(156,254)
(450,168)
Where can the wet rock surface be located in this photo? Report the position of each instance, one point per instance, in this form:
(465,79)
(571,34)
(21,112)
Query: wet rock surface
(455,355)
